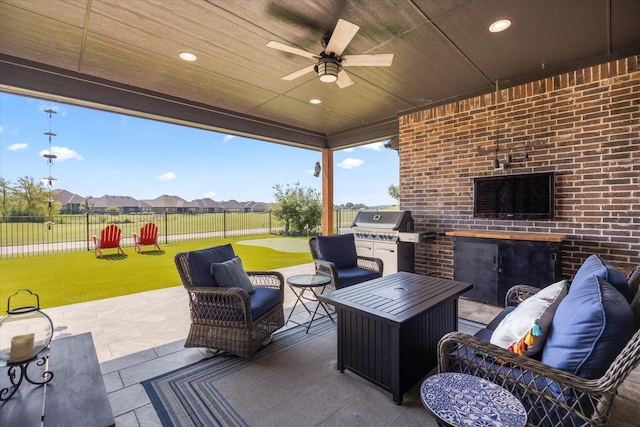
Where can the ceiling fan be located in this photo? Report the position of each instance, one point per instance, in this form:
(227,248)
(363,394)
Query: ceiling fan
(331,60)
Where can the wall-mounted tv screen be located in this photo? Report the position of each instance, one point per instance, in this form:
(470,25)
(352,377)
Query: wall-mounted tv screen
(524,196)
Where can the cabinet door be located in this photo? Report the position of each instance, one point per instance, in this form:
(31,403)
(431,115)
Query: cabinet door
(476,263)
(526,263)
(388,253)
(364,248)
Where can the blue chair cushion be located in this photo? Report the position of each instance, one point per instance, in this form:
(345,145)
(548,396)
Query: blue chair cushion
(354,275)
(200,263)
(594,265)
(339,249)
(495,322)
(484,334)
(591,326)
(262,300)
(231,274)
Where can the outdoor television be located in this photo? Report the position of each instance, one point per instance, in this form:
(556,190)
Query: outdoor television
(524,196)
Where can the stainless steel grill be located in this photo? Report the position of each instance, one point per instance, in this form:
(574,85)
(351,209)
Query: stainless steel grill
(388,235)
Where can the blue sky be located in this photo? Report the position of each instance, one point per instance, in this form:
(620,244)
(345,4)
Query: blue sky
(105,153)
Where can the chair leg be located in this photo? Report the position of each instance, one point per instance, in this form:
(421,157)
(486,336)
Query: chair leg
(120,250)
(266,341)
(215,352)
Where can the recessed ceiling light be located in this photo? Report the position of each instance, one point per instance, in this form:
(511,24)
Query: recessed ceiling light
(188,56)
(500,25)
(315,101)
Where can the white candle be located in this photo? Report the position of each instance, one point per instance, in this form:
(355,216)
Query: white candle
(21,347)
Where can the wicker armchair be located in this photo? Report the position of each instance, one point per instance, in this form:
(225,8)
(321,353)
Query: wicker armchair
(222,318)
(587,402)
(340,261)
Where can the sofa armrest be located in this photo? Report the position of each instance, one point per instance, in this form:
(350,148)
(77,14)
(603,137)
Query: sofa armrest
(266,279)
(518,293)
(550,396)
(633,279)
(326,268)
(369,263)
(219,306)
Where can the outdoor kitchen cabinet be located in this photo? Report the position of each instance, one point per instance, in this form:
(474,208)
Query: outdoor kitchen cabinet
(395,256)
(495,261)
(389,236)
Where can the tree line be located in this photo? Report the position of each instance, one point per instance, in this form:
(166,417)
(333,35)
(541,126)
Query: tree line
(26,197)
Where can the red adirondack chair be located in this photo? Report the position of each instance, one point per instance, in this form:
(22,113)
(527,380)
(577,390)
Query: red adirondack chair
(148,236)
(109,238)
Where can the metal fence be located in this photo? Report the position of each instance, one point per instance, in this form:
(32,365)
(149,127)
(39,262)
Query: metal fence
(32,236)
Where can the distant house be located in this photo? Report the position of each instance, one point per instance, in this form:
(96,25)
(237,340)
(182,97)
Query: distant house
(171,204)
(124,204)
(70,202)
(208,205)
(234,206)
(257,207)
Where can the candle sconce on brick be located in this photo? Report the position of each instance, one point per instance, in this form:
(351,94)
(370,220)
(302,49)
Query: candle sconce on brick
(510,157)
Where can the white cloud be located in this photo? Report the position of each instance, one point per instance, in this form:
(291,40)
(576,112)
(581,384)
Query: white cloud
(227,138)
(17,147)
(63,153)
(376,146)
(350,163)
(348,150)
(211,195)
(167,176)
(1,130)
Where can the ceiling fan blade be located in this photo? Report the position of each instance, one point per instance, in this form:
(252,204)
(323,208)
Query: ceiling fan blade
(286,48)
(381,60)
(342,35)
(299,73)
(343,80)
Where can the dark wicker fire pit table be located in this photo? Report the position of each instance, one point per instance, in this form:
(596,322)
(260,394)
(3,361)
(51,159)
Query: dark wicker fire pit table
(389,328)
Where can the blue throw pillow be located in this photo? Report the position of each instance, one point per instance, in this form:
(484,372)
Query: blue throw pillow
(200,263)
(594,265)
(231,274)
(591,326)
(339,249)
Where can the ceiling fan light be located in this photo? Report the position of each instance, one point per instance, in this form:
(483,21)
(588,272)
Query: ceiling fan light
(328,71)
(328,78)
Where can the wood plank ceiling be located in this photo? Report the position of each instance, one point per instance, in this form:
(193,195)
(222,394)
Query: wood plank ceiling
(122,55)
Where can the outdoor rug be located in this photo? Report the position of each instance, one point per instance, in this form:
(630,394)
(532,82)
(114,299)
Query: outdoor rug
(292,382)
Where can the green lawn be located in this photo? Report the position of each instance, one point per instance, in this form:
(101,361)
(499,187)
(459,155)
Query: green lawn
(80,276)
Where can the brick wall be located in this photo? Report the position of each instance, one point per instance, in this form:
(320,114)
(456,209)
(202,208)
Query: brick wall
(583,125)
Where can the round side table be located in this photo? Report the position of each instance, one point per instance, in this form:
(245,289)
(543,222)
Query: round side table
(464,400)
(308,282)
